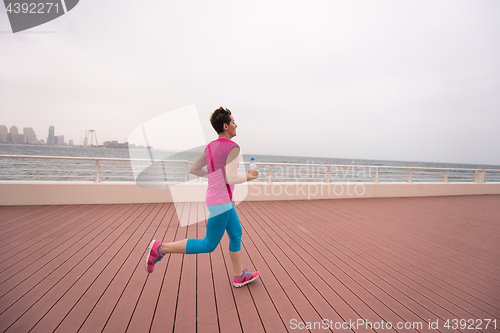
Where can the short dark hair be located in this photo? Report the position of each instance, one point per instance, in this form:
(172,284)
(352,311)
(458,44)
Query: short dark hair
(220,117)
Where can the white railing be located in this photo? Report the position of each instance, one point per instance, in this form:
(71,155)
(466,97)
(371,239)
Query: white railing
(21,167)
(84,168)
(274,172)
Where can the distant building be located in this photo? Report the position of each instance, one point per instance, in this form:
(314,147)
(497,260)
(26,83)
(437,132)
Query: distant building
(14,130)
(115,144)
(3,134)
(61,140)
(70,142)
(29,134)
(15,137)
(51,139)
(19,138)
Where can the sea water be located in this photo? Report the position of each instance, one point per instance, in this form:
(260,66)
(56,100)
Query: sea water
(77,151)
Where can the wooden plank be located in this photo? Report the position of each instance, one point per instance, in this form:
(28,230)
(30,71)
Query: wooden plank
(133,268)
(207,321)
(55,253)
(185,317)
(427,265)
(341,264)
(364,242)
(410,211)
(249,317)
(79,294)
(25,230)
(316,286)
(400,236)
(117,270)
(289,278)
(68,256)
(417,293)
(265,308)
(276,292)
(410,258)
(163,320)
(45,242)
(444,218)
(229,320)
(146,307)
(47,292)
(11,215)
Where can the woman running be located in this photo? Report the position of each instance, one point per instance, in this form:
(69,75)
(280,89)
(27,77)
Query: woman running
(221,158)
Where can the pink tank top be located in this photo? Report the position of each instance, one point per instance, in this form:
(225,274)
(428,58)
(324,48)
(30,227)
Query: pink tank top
(218,190)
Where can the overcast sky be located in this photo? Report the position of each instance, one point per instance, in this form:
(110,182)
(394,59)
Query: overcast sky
(391,80)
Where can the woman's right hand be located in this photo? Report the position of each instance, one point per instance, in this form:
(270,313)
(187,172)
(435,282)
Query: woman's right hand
(254,173)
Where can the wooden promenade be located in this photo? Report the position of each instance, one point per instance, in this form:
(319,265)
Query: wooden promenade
(79,268)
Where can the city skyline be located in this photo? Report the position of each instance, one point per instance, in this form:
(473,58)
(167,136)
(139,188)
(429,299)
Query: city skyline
(11,134)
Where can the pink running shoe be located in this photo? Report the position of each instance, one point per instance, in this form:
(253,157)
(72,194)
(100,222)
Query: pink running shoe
(153,255)
(246,278)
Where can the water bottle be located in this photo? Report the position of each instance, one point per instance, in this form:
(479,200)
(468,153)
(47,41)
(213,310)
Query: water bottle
(253,165)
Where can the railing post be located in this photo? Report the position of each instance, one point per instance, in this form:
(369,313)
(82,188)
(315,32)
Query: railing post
(186,166)
(479,176)
(98,178)
(376,175)
(409,176)
(328,174)
(446,176)
(164,171)
(270,169)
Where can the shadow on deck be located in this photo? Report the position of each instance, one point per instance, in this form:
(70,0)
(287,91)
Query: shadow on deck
(400,260)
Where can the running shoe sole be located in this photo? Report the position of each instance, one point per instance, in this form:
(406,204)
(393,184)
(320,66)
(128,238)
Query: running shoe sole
(148,252)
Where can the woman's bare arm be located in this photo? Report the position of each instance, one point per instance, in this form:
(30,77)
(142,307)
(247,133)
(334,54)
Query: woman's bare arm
(197,167)
(232,176)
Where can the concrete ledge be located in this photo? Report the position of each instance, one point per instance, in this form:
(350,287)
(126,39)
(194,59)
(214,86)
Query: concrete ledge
(312,191)
(70,193)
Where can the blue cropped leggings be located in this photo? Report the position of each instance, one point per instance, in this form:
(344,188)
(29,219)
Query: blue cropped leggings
(223,217)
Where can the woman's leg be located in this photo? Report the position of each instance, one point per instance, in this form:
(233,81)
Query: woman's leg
(215,230)
(242,276)
(236,261)
(234,232)
(216,226)
(174,247)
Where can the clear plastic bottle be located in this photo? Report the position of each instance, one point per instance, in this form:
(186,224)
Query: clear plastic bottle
(253,165)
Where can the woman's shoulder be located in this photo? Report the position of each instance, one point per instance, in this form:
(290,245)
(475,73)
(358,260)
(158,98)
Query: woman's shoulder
(224,142)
